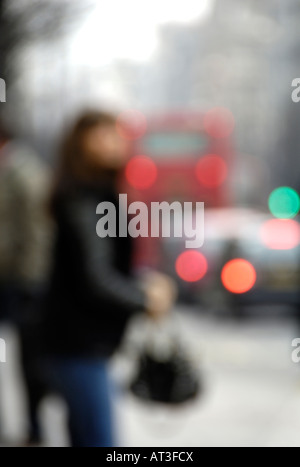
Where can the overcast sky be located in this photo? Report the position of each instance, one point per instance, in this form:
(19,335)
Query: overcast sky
(128,29)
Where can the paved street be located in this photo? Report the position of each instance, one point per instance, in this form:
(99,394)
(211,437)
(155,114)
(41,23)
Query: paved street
(252,391)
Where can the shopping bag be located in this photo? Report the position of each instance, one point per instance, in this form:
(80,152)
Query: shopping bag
(165,372)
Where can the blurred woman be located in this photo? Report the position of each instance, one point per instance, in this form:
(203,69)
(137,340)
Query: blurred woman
(92,292)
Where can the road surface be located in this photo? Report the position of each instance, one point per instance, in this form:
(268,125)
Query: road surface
(251,398)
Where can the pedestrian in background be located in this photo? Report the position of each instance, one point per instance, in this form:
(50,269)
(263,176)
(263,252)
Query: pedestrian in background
(25,249)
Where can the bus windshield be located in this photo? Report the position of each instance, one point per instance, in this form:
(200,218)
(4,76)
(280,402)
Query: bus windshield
(172,143)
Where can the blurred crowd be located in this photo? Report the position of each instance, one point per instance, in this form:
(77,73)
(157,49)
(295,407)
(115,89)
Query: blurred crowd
(68,293)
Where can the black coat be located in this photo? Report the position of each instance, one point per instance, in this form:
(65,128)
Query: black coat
(92,293)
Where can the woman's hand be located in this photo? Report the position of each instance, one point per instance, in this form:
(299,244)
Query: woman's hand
(161,294)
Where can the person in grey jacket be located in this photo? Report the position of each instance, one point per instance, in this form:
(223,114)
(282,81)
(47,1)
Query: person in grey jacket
(25,248)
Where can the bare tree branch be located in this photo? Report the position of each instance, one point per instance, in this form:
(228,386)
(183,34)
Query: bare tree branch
(22,21)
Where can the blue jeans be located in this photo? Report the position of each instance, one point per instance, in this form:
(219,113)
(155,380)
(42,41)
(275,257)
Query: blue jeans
(84,385)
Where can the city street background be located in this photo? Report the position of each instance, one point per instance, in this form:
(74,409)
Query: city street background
(202,94)
(251,396)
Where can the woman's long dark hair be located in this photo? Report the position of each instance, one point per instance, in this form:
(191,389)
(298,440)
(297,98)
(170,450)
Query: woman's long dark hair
(71,154)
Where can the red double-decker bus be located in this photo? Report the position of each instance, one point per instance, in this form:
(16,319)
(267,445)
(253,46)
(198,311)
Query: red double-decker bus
(183,156)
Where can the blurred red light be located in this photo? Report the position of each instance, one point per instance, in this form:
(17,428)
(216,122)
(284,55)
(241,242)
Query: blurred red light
(141,172)
(219,122)
(280,234)
(191,266)
(211,171)
(238,276)
(131,124)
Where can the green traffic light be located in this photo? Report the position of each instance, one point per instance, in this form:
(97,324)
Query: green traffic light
(284,203)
